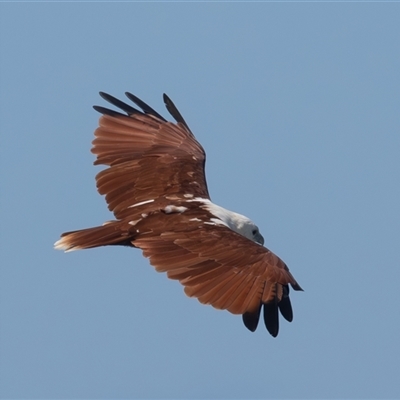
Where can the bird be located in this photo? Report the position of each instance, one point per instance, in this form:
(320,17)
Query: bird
(155,185)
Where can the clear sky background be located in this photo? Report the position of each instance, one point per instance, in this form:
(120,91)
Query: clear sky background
(297,106)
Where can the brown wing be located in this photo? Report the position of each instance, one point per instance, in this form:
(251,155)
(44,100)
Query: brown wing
(148,157)
(218,266)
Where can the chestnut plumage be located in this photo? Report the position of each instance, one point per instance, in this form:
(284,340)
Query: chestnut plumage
(156,187)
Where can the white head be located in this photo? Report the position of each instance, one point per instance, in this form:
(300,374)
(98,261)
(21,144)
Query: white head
(245,227)
(237,222)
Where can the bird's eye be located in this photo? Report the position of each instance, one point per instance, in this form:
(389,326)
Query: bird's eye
(254,231)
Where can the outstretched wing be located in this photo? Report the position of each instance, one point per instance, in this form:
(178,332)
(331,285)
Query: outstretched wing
(218,266)
(147,156)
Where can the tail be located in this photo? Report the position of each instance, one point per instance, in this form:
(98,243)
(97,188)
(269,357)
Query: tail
(108,234)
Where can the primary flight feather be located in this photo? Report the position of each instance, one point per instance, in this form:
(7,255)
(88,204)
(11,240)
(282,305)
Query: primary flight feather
(155,185)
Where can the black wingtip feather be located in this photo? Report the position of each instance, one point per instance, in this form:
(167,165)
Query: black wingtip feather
(285,307)
(120,104)
(250,319)
(271,318)
(296,286)
(174,111)
(145,107)
(107,111)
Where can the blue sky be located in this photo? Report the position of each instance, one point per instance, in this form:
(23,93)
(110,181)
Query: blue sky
(297,106)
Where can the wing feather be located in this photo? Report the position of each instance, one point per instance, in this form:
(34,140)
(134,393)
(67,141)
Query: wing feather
(192,270)
(219,267)
(226,299)
(146,156)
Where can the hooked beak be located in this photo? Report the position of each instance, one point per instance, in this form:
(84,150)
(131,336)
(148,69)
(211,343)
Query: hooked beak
(259,239)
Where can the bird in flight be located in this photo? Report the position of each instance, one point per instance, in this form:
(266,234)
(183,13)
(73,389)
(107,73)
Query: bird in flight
(156,187)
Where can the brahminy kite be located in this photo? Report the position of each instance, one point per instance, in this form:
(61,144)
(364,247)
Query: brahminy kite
(156,187)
